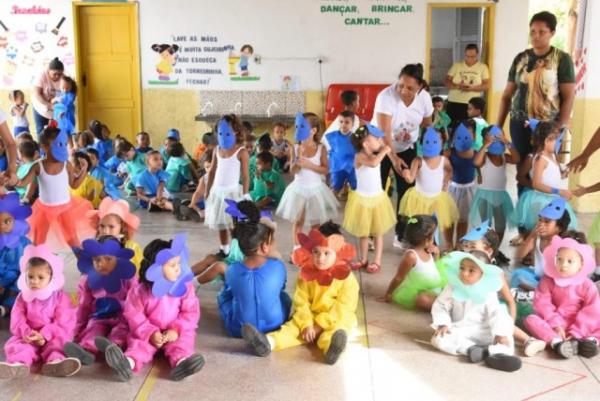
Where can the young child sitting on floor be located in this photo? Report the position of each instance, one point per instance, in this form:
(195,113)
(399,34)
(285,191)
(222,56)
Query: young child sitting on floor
(150,186)
(268,184)
(180,169)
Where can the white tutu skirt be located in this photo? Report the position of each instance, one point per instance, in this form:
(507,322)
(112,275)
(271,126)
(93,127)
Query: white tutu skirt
(463,196)
(216,218)
(316,201)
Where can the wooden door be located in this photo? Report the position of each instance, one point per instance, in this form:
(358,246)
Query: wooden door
(108,66)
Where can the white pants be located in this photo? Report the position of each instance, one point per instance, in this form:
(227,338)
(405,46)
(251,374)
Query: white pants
(458,340)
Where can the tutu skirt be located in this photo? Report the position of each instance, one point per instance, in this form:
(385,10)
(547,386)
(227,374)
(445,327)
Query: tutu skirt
(495,206)
(61,226)
(529,206)
(594,233)
(317,201)
(215,216)
(368,215)
(415,283)
(463,197)
(414,202)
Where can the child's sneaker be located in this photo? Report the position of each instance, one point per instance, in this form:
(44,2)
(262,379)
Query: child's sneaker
(256,340)
(74,350)
(189,213)
(13,370)
(115,358)
(566,349)
(533,346)
(477,353)
(506,363)
(63,368)
(187,367)
(336,347)
(588,348)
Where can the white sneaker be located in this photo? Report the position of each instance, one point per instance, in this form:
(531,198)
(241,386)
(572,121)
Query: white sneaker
(3,311)
(398,244)
(533,346)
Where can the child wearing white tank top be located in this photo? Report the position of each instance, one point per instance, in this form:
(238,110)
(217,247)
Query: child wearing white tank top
(56,217)
(369,211)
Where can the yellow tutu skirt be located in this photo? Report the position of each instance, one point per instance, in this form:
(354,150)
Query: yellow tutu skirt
(368,215)
(414,202)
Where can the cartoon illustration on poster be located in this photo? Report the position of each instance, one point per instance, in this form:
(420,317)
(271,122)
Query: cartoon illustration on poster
(290,83)
(239,64)
(164,68)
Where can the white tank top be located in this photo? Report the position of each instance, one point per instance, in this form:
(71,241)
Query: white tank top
(228,170)
(306,176)
(54,189)
(368,180)
(551,174)
(425,268)
(493,178)
(538,265)
(430,181)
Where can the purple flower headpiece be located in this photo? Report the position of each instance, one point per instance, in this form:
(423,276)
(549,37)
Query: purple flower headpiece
(233,210)
(161,286)
(10,204)
(112,282)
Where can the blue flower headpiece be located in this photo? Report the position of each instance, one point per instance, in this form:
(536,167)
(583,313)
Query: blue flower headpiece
(112,282)
(233,210)
(10,204)
(161,286)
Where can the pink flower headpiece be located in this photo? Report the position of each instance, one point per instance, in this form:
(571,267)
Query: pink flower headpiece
(119,208)
(56,264)
(585,251)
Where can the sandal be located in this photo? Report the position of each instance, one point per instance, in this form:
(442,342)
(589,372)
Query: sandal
(358,265)
(517,240)
(373,267)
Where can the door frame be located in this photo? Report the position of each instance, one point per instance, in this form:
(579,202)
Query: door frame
(135,37)
(487,34)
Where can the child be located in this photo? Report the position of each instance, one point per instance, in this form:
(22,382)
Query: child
(264,144)
(195,209)
(249,142)
(475,110)
(351,101)
(254,290)
(56,212)
(491,201)
(111,182)
(440,118)
(3,158)
(28,154)
(307,198)
(463,184)
(553,220)
(114,218)
(172,137)
(13,240)
(143,142)
(281,146)
(230,163)
(135,162)
(432,174)
(64,106)
(204,150)
(42,319)
(91,188)
(150,186)
(18,111)
(102,142)
(418,280)
(468,318)
(325,300)
(566,303)
(341,154)
(369,211)
(549,180)
(107,276)
(268,184)
(83,140)
(116,164)
(162,312)
(179,168)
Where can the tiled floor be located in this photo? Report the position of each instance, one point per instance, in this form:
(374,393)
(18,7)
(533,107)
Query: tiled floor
(389,357)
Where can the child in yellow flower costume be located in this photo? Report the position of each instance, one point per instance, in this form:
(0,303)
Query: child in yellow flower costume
(324,302)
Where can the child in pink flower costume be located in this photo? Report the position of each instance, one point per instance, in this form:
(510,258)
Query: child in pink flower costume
(567,303)
(162,312)
(42,318)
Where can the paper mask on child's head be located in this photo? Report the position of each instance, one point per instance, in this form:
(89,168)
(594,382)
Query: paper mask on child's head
(533,123)
(478,232)
(588,261)
(56,265)
(119,208)
(432,143)
(161,285)
(555,209)
(497,147)
(373,130)
(302,128)
(303,257)
(225,135)
(463,140)
(490,282)
(58,147)
(10,204)
(112,282)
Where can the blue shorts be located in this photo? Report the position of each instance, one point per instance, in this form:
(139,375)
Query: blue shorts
(19,130)
(339,178)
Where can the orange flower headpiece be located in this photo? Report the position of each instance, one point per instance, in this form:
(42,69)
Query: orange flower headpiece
(303,258)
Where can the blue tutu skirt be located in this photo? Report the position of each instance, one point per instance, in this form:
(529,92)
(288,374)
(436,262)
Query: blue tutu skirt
(529,206)
(524,276)
(495,206)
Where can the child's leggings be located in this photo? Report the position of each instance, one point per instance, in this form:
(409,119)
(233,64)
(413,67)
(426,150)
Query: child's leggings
(115,329)
(18,351)
(289,335)
(143,352)
(539,328)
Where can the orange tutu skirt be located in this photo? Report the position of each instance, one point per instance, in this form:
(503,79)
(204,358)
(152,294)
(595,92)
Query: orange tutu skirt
(61,226)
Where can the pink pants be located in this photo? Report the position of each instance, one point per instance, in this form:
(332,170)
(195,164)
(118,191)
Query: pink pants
(539,328)
(18,351)
(142,351)
(115,329)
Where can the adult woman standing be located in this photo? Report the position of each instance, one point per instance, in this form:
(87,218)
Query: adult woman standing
(466,79)
(400,110)
(45,88)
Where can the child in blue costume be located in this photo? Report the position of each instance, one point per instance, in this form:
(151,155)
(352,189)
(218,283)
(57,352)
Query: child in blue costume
(3,159)
(150,187)
(64,106)
(135,163)
(13,240)
(254,289)
(143,141)
(172,137)
(28,154)
(99,172)
(102,142)
(341,153)
(264,144)
(268,184)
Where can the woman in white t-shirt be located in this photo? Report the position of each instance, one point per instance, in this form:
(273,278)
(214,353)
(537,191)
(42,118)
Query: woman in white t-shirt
(8,177)
(45,88)
(400,110)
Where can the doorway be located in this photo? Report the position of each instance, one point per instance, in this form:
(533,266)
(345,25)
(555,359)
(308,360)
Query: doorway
(108,66)
(450,28)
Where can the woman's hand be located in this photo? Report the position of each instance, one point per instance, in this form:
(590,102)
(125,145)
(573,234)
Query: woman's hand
(578,163)
(579,191)
(565,193)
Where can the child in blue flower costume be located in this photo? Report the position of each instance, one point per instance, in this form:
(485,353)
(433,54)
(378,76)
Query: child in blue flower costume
(13,240)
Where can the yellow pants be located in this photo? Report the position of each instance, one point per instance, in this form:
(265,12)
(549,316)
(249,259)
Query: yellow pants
(289,335)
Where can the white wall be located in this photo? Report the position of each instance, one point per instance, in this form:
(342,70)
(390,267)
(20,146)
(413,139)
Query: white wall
(591,58)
